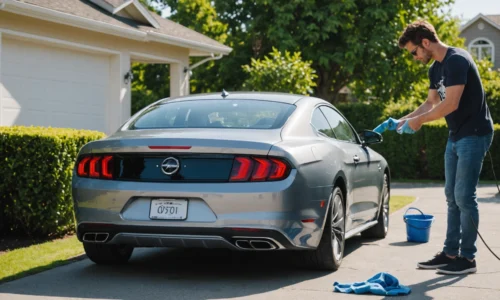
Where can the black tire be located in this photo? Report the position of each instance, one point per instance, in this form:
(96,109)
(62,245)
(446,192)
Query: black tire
(108,254)
(330,251)
(380,230)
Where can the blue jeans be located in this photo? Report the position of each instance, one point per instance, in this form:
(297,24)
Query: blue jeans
(463,163)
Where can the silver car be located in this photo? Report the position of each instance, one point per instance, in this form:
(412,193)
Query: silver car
(244,171)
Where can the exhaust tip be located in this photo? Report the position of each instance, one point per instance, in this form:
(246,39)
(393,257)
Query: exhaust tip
(95,237)
(262,245)
(101,237)
(89,237)
(243,244)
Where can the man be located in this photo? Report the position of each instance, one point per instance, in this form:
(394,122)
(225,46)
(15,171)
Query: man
(456,93)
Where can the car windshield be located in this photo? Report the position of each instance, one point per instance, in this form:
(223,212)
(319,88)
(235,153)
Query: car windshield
(249,114)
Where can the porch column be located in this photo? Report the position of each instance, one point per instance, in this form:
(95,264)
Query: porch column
(119,105)
(179,80)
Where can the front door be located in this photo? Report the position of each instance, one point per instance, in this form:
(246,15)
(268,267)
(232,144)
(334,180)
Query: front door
(364,205)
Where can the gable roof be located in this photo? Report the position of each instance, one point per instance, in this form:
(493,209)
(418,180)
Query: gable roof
(493,20)
(87,15)
(132,7)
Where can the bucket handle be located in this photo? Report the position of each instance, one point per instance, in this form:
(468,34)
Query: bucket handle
(412,208)
(404,219)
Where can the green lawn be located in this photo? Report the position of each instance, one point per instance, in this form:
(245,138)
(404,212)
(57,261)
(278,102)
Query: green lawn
(24,261)
(398,202)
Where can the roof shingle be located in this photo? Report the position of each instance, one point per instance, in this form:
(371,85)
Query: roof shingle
(86,9)
(494,18)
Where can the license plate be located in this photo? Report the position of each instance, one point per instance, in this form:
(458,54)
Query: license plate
(168,209)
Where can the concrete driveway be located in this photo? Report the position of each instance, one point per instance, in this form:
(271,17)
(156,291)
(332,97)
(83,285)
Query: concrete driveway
(195,274)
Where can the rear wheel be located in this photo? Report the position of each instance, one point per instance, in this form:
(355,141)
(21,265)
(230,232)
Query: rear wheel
(108,254)
(380,230)
(330,251)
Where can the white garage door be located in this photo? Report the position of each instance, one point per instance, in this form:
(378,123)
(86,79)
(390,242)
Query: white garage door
(51,86)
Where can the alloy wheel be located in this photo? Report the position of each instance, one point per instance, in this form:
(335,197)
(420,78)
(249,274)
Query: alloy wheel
(385,205)
(338,227)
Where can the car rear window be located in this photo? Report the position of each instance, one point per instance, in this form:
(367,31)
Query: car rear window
(250,114)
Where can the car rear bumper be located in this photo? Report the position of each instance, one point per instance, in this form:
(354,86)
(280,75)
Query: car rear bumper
(218,214)
(152,236)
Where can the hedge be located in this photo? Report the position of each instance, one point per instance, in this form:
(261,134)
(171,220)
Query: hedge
(35,188)
(417,156)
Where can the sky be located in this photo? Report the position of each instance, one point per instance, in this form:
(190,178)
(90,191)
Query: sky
(468,9)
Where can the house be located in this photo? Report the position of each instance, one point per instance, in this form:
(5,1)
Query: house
(66,63)
(482,37)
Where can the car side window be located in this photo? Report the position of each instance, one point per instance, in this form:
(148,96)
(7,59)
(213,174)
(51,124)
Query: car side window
(321,124)
(340,126)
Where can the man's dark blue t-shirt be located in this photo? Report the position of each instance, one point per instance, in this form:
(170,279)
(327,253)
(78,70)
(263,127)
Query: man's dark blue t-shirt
(473,115)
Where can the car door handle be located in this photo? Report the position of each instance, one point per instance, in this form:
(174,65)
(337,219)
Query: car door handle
(355,158)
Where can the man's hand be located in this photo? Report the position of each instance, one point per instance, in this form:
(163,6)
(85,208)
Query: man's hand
(415,123)
(401,122)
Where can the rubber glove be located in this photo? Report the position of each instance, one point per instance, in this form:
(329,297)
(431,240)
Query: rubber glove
(405,129)
(389,124)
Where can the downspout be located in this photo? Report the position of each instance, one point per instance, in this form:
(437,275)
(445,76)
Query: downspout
(189,69)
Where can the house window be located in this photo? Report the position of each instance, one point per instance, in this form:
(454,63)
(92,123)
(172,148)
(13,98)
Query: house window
(482,49)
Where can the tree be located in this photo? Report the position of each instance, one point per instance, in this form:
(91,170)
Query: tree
(349,40)
(278,73)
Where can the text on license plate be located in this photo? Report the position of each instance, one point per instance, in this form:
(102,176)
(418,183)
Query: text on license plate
(168,209)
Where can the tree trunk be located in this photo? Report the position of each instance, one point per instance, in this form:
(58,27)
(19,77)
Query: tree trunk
(339,84)
(324,85)
(326,89)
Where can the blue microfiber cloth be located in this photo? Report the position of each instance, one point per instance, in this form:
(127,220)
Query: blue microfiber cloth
(405,129)
(381,284)
(389,124)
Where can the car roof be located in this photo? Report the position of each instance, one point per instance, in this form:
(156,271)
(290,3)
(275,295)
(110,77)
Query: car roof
(268,96)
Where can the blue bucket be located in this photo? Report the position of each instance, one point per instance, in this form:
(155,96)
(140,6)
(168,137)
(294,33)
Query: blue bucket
(418,227)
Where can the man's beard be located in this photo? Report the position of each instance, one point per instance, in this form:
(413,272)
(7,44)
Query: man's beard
(427,56)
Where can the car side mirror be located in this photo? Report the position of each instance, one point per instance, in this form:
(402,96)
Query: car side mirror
(369,137)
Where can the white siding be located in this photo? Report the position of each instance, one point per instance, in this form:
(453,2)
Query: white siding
(51,86)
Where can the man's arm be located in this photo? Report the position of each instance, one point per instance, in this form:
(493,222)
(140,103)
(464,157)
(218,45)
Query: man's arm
(449,105)
(456,68)
(432,99)
(446,107)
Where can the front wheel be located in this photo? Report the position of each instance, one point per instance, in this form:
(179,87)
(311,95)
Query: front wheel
(330,251)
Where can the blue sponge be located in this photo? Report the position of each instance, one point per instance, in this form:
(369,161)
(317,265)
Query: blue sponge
(389,124)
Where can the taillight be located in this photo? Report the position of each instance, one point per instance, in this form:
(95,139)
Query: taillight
(258,169)
(96,167)
(83,167)
(106,167)
(93,167)
(242,169)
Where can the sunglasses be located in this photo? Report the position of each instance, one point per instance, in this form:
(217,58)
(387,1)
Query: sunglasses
(414,51)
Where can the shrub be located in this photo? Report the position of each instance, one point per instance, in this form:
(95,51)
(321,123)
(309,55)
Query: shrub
(491,84)
(421,155)
(418,156)
(277,73)
(35,190)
